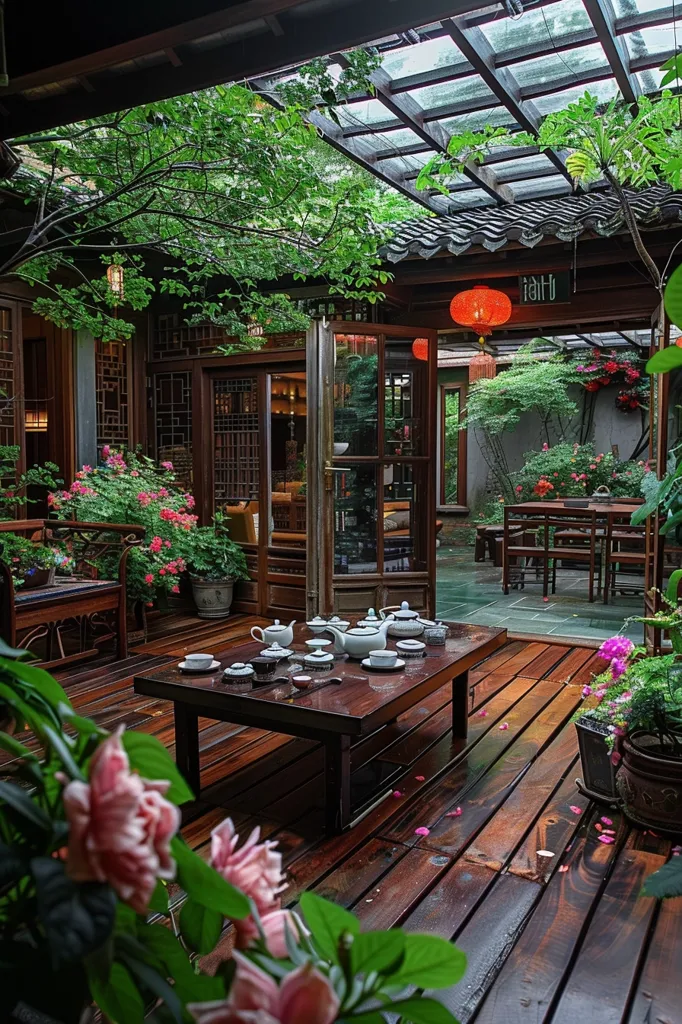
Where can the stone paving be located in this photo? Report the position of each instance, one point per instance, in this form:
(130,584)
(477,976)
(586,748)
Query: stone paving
(469,591)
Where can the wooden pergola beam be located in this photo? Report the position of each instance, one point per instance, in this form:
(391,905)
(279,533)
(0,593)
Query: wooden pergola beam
(603,18)
(501,82)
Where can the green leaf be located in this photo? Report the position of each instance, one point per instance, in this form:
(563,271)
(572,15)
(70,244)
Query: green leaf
(205,885)
(119,997)
(377,951)
(12,652)
(191,987)
(666,882)
(327,922)
(423,1011)
(672,298)
(60,745)
(667,359)
(151,759)
(78,917)
(152,980)
(12,864)
(430,962)
(200,926)
(159,898)
(41,681)
(15,748)
(20,801)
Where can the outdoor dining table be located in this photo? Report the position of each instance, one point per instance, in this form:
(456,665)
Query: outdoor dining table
(594,519)
(346,704)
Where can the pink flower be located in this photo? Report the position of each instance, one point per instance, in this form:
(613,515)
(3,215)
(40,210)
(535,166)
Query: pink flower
(155,544)
(175,589)
(168,466)
(422,831)
(275,925)
(618,668)
(149,578)
(106,451)
(676,851)
(587,691)
(419,778)
(120,827)
(545,447)
(504,726)
(134,472)
(305,995)
(616,647)
(255,869)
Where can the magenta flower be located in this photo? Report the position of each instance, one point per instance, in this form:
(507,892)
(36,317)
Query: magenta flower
(618,668)
(587,691)
(616,647)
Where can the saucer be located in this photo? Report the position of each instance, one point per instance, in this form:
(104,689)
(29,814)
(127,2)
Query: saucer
(398,664)
(198,671)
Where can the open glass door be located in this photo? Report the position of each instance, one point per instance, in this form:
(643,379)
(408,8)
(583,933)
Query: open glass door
(371,467)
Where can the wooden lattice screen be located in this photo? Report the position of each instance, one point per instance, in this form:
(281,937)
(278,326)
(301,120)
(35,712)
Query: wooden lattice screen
(113,393)
(236,439)
(173,418)
(8,379)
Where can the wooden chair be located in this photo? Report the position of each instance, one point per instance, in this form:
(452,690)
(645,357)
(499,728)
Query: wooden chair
(624,555)
(547,554)
(89,608)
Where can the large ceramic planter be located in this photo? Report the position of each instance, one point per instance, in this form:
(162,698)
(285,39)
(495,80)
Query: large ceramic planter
(650,785)
(213,598)
(599,775)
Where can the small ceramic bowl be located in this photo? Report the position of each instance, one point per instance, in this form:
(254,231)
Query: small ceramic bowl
(383,659)
(317,644)
(198,662)
(411,647)
(317,625)
(302,682)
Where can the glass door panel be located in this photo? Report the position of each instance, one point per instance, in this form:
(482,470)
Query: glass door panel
(404,530)
(405,396)
(288,408)
(356,394)
(355,520)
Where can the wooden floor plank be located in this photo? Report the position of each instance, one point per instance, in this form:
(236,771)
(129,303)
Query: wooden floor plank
(402,888)
(606,968)
(545,662)
(566,669)
(658,998)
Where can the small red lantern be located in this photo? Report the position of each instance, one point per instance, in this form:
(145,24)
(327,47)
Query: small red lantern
(481,308)
(420,349)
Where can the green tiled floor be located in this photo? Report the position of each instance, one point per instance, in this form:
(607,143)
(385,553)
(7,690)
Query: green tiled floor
(468,591)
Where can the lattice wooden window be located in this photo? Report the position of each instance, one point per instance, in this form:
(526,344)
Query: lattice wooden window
(113,393)
(236,439)
(173,414)
(174,338)
(8,378)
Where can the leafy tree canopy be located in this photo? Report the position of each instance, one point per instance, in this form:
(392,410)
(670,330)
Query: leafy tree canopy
(209,197)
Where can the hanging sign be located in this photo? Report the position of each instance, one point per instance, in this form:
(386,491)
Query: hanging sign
(542,289)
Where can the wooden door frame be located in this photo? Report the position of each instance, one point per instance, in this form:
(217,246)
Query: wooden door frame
(461,446)
(320,363)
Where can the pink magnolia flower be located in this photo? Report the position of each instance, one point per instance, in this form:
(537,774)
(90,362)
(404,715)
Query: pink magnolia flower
(606,821)
(256,868)
(607,840)
(397,794)
(120,827)
(275,925)
(457,813)
(483,713)
(305,995)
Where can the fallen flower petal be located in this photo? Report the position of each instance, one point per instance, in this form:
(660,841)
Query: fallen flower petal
(504,726)
(419,778)
(422,831)
(563,869)
(576,810)
(483,713)
(676,851)
(397,794)
(606,821)
(454,814)
(599,828)
(605,839)
(608,831)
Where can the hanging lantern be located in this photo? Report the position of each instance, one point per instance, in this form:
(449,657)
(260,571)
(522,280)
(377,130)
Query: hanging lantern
(482,365)
(115,279)
(481,308)
(420,349)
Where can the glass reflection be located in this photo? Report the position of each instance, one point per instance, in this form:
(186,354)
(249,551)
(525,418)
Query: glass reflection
(356,394)
(404,395)
(404,533)
(355,520)
(288,460)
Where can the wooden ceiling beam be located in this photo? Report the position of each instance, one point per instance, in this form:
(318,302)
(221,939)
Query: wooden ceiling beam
(603,18)
(501,82)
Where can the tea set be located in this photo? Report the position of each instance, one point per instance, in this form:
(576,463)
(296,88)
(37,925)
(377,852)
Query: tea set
(366,642)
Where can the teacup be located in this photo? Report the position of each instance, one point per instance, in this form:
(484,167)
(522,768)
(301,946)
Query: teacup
(302,682)
(198,661)
(263,667)
(383,659)
(317,644)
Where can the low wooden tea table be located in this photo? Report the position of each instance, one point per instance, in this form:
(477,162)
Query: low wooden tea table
(349,702)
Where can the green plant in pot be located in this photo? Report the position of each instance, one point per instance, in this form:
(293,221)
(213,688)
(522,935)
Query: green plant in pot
(31,564)
(215,564)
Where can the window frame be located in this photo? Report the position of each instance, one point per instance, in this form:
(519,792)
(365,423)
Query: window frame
(461,502)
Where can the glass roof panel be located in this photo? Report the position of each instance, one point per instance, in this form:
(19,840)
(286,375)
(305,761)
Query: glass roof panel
(626,8)
(523,167)
(604,90)
(390,140)
(558,65)
(645,41)
(543,26)
(650,80)
(366,112)
(470,88)
(411,60)
(534,188)
(401,164)
(477,119)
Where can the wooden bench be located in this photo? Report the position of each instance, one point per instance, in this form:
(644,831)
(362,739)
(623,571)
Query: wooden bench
(90,609)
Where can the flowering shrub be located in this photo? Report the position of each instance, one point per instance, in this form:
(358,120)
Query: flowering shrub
(87,852)
(210,554)
(575,470)
(13,484)
(130,488)
(24,557)
(605,368)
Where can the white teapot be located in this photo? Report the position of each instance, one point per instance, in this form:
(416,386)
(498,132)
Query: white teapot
(405,623)
(359,641)
(275,634)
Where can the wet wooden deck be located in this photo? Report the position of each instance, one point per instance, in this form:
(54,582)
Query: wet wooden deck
(564,938)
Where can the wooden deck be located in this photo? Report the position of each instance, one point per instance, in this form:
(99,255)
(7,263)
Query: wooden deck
(559,938)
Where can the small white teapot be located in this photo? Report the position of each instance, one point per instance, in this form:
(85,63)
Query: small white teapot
(275,634)
(406,622)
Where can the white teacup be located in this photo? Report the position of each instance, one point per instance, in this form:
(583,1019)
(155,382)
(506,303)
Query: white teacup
(198,661)
(317,644)
(383,659)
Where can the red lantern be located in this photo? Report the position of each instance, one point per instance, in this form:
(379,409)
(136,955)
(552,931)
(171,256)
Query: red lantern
(420,349)
(481,308)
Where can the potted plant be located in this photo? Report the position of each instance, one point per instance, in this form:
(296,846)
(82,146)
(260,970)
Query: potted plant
(215,563)
(32,564)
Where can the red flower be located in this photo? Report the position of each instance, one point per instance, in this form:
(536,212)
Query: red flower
(611,366)
(592,385)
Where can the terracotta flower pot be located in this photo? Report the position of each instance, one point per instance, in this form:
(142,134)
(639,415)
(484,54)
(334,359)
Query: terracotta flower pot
(650,784)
